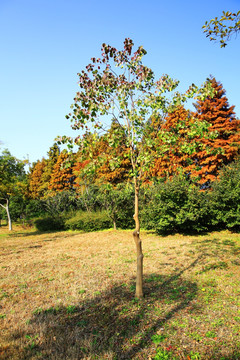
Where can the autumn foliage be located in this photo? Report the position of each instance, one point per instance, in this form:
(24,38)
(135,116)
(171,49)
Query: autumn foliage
(199,157)
(194,143)
(36,183)
(223,148)
(173,157)
(62,177)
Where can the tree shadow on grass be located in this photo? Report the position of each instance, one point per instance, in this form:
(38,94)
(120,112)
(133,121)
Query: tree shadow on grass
(110,325)
(26,233)
(216,247)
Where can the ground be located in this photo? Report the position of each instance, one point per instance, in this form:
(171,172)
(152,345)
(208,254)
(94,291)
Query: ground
(68,295)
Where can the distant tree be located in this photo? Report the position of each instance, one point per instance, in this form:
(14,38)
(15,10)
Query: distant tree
(102,160)
(53,155)
(115,166)
(62,177)
(176,156)
(223,28)
(12,176)
(120,86)
(199,156)
(118,202)
(37,185)
(62,202)
(41,172)
(78,171)
(224,147)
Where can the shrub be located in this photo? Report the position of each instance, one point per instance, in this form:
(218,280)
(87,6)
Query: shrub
(88,200)
(34,209)
(62,202)
(176,206)
(225,198)
(22,208)
(49,224)
(119,204)
(196,213)
(89,221)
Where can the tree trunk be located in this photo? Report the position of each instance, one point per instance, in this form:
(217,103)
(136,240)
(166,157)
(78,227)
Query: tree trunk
(8,214)
(114,225)
(138,242)
(9,218)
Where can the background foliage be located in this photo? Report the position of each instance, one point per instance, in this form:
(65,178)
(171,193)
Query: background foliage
(191,185)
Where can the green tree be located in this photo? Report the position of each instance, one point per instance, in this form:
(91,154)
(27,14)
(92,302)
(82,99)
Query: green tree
(119,86)
(223,28)
(118,202)
(12,176)
(225,198)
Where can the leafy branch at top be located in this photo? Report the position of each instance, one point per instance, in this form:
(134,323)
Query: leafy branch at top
(223,28)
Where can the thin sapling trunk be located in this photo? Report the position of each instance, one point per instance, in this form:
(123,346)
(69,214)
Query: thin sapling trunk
(8,214)
(138,242)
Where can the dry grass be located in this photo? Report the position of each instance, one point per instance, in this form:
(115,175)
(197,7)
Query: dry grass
(71,296)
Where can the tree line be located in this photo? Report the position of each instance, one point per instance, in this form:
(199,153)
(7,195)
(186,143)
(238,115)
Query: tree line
(197,159)
(177,148)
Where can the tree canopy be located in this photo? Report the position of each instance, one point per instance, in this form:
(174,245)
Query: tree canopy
(118,85)
(12,176)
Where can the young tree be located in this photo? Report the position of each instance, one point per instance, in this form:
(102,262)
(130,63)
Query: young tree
(120,86)
(223,28)
(118,202)
(11,180)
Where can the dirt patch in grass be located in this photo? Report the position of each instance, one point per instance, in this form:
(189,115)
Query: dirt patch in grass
(71,296)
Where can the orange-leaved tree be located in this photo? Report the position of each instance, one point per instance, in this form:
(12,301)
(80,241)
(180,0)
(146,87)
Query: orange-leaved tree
(40,174)
(115,166)
(224,147)
(175,155)
(37,184)
(62,177)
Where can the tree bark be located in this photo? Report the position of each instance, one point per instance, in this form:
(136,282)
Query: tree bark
(9,218)
(138,242)
(8,214)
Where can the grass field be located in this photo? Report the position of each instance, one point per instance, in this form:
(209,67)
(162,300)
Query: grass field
(71,296)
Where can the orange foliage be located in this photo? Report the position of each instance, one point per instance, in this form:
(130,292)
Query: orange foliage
(62,177)
(36,183)
(225,147)
(173,158)
(77,171)
(208,154)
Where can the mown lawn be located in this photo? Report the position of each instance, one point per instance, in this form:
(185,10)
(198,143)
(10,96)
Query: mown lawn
(71,296)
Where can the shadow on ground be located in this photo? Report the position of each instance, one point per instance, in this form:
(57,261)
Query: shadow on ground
(111,325)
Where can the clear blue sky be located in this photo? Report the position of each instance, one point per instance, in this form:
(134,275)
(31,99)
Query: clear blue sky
(44,43)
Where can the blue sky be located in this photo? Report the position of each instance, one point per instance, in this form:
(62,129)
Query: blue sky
(45,43)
